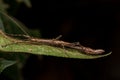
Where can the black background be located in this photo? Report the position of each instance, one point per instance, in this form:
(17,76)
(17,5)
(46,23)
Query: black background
(93,23)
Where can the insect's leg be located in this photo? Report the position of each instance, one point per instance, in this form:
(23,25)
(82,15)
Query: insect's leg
(58,37)
(77,43)
(65,51)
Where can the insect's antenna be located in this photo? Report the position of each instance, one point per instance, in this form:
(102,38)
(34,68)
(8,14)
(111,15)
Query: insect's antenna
(18,35)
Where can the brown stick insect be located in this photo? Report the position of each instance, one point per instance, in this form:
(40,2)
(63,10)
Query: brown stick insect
(60,43)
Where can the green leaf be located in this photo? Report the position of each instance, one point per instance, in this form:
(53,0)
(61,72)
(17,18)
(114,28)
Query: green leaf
(27,2)
(3,6)
(11,25)
(15,69)
(1,24)
(42,49)
(5,63)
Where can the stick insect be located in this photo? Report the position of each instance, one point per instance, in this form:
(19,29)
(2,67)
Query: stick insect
(59,43)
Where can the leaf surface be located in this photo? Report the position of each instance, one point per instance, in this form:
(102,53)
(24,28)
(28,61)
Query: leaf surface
(8,45)
(5,63)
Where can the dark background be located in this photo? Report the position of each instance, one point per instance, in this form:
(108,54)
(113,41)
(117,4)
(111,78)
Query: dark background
(93,23)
